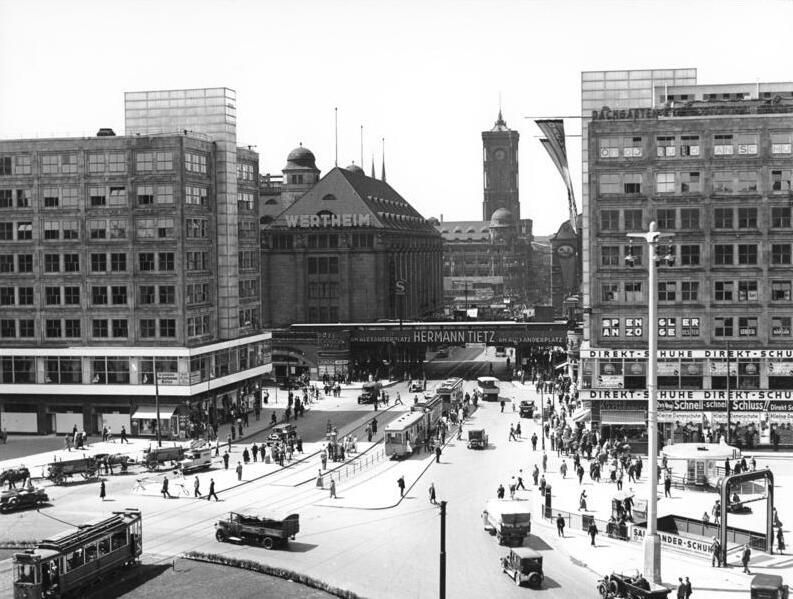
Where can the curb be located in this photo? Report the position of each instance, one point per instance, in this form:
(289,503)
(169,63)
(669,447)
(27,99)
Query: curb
(261,568)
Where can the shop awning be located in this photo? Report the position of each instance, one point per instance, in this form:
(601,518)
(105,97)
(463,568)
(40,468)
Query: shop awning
(150,412)
(623,417)
(581,414)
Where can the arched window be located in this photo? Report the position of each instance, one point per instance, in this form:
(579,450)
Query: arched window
(329,197)
(271,202)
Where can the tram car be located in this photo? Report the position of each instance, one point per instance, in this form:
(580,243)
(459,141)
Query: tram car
(432,408)
(451,390)
(62,565)
(405,434)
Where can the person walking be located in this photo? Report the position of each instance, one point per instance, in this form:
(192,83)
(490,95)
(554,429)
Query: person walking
(534,441)
(225,460)
(511,432)
(67,441)
(500,492)
(543,484)
(164,490)
(535,474)
(432,493)
(715,551)
(563,469)
(746,555)
(102,491)
(780,541)
(619,480)
(196,487)
(401,485)
(228,441)
(681,588)
(544,462)
(212,493)
(332,489)
(438,454)
(239,471)
(592,531)
(255,452)
(560,525)
(668,485)
(520,484)
(124,434)
(688,589)
(580,473)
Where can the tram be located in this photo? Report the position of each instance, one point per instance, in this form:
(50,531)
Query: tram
(451,390)
(405,434)
(63,564)
(432,408)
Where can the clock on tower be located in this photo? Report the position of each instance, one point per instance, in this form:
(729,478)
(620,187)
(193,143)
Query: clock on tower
(500,170)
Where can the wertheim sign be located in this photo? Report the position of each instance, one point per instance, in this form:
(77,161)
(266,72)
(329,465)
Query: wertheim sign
(318,221)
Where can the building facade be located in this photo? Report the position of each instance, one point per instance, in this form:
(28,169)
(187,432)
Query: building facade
(114,279)
(350,249)
(716,172)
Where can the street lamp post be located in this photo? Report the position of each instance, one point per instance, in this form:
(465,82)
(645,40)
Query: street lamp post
(652,542)
(156,398)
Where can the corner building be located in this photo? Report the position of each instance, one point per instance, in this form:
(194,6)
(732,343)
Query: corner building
(350,249)
(112,272)
(715,171)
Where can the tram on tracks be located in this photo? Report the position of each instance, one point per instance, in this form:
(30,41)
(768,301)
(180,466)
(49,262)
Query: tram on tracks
(451,390)
(405,434)
(432,408)
(66,563)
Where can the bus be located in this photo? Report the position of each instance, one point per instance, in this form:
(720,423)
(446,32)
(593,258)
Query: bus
(451,390)
(70,561)
(487,386)
(404,434)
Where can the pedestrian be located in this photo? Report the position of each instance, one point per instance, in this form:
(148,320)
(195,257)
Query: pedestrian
(716,511)
(542,485)
(124,434)
(534,441)
(535,474)
(668,485)
(580,473)
(460,430)
(67,441)
(544,462)
(512,486)
(432,493)
(592,532)
(619,480)
(520,481)
(754,464)
(582,501)
(726,467)
(255,452)
(239,471)
(332,489)
(688,589)
(500,492)
(511,432)
(502,406)
(212,493)
(225,460)
(517,430)
(438,454)
(681,588)
(164,490)
(563,469)
(228,440)
(560,525)
(780,541)
(196,487)
(746,555)
(715,552)
(401,482)
(246,457)
(102,492)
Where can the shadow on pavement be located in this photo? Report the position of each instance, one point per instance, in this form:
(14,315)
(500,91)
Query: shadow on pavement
(537,543)
(298,547)
(549,583)
(127,580)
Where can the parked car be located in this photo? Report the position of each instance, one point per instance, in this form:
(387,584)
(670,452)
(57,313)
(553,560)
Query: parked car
(267,532)
(631,585)
(523,565)
(25,497)
(416,386)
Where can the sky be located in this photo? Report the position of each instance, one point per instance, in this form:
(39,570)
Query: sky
(426,75)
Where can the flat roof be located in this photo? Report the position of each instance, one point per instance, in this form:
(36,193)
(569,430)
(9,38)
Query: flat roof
(711,451)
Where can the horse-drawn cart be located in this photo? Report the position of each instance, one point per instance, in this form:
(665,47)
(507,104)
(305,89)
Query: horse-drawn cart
(59,472)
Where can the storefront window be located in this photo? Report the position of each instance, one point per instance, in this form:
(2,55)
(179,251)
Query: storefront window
(635,374)
(167,371)
(749,375)
(780,374)
(19,369)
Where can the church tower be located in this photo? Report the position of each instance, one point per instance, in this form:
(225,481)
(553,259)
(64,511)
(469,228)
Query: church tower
(500,161)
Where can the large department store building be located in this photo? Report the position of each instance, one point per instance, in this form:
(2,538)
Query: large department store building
(129,269)
(712,165)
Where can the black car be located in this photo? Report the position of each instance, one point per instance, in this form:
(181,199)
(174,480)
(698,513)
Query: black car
(18,499)
(526,409)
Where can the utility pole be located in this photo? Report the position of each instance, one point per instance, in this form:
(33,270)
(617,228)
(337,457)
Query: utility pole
(442,590)
(157,398)
(728,436)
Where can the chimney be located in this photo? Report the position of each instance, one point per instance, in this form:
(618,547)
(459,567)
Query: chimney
(441,217)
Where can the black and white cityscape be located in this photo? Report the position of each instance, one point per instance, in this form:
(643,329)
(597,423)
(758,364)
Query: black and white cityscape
(395,300)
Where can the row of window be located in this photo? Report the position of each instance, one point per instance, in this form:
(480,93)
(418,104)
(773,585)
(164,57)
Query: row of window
(630,292)
(248,288)
(246,171)
(53,263)
(101,328)
(100,295)
(779,217)
(723,254)
(723,326)
(102,196)
(103,229)
(66,163)
(690,145)
(722,182)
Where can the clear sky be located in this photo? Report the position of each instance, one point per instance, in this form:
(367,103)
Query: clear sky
(424,74)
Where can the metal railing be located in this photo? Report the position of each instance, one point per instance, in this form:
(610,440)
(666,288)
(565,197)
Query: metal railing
(574,521)
(357,465)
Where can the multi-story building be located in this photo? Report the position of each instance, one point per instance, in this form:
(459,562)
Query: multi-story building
(487,265)
(715,171)
(116,275)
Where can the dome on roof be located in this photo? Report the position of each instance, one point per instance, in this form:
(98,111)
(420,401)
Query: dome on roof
(301,156)
(501,218)
(354,168)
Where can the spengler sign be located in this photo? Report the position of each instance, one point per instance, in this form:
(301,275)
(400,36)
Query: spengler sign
(459,335)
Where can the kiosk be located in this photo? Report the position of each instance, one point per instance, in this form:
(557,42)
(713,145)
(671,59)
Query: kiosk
(698,461)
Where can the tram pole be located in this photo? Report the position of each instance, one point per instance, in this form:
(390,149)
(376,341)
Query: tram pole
(157,398)
(442,593)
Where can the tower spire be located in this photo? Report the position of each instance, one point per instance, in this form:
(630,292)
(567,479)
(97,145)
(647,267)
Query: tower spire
(382,170)
(374,176)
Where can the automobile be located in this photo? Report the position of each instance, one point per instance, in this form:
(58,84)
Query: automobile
(477,438)
(416,386)
(526,408)
(25,497)
(443,352)
(631,585)
(523,564)
(370,392)
(268,532)
(768,586)
(283,433)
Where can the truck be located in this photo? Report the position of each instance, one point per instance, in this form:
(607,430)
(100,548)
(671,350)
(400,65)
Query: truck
(267,532)
(509,521)
(370,392)
(196,459)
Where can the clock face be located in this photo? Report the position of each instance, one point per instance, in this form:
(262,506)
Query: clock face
(499,154)
(565,251)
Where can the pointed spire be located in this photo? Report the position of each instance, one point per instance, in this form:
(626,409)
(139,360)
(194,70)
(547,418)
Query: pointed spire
(382,170)
(374,176)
